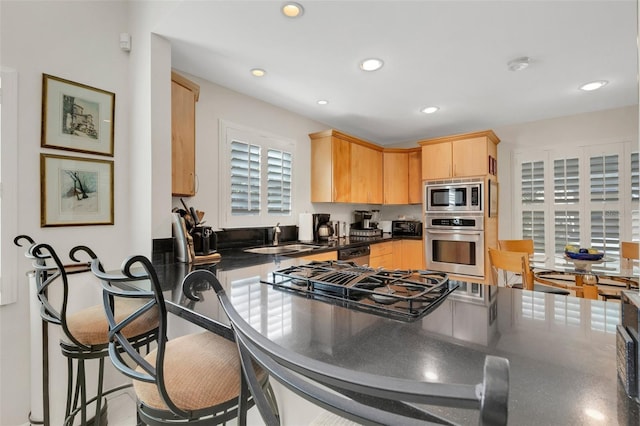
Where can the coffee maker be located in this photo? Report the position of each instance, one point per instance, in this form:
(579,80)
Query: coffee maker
(322,228)
(362,219)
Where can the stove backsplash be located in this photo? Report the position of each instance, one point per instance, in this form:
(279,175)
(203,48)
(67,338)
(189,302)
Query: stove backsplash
(229,238)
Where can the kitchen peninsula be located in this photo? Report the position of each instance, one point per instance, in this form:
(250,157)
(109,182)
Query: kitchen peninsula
(561,349)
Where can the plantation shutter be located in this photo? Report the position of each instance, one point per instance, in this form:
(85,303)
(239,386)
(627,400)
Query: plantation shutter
(635,196)
(566,181)
(604,178)
(567,229)
(533,203)
(245,179)
(533,182)
(279,181)
(533,229)
(604,193)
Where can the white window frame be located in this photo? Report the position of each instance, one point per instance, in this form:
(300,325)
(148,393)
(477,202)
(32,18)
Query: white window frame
(230,131)
(585,206)
(8,187)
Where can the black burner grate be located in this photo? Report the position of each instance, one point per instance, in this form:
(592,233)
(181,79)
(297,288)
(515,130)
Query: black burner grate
(401,294)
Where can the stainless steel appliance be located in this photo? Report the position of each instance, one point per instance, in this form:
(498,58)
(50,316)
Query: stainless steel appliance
(358,255)
(403,295)
(455,243)
(362,219)
(407,228)
(453,196)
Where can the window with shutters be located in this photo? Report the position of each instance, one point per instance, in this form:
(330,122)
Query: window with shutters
(635,197)
(577,197)
(256,177)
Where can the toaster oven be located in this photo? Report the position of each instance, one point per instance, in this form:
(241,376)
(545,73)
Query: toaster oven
(407,228)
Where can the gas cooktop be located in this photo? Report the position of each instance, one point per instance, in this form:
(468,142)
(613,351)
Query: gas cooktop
(401,294)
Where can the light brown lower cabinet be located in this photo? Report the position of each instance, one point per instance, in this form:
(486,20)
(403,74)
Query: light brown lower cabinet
(320,257)
(381,255)
(410,255)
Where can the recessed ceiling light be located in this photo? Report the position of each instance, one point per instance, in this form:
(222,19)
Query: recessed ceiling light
(322,102)
(430,109)
(292,10)
(594,85)
(258,72)
(371,64)
(518,64)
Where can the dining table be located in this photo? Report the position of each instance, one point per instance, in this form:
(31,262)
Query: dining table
(601,278)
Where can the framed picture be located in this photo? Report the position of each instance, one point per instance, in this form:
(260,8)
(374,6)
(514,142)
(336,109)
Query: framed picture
(76,117)
(75,191)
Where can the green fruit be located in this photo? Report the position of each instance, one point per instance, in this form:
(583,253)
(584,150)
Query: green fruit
(571,248)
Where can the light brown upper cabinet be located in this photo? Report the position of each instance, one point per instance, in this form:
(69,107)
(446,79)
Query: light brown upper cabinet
(366,174)
(464,155)
(415,176)
(330,168)
(402,176)
(396,177)
(344,169)
(184,95)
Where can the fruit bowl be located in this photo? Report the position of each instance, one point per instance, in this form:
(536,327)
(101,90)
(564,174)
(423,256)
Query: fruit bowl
(584,256)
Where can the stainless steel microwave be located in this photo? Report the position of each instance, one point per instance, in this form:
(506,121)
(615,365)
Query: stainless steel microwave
(453,197)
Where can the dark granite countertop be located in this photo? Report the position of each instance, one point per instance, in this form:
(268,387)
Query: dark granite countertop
(561,349)
(234,258)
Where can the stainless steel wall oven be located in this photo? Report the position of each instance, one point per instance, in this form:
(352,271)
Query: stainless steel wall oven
(454,243)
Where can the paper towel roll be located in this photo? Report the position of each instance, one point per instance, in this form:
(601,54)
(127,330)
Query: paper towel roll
(305,227)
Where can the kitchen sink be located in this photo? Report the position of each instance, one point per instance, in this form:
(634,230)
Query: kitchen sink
(290,248)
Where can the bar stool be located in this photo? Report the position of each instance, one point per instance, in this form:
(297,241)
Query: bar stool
(85,331)
(194,379)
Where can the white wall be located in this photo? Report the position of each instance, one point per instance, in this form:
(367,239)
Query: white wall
(79,41)
(218,103)
(594,128)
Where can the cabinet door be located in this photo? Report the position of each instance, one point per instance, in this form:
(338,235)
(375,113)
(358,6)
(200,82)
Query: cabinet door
(415,177)
(436,161)
(341,170)
(330,170)
(412,254)
(470,157)
(396,177)
(183,140)
(320,257)
(366,175)
(381,255)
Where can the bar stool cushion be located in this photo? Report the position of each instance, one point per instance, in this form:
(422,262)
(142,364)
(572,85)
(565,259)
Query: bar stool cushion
(89,326)
(200,370)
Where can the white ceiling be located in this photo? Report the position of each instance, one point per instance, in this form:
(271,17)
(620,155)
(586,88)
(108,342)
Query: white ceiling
(452,54)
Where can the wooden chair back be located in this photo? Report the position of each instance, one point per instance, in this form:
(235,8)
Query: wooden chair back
(511,261)
(629,250)
(525,246)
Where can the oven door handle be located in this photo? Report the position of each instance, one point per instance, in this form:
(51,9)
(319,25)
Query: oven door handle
(454,232)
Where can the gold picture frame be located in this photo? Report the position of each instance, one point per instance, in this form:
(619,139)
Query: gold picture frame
(77,117)
(75,191)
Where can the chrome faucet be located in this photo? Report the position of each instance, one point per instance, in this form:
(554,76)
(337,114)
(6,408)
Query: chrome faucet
(276,234)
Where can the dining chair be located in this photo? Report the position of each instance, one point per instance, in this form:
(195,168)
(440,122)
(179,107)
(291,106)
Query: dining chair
(525,246)
(515,265)
(357,396)
(194,379)
(630,250)
(85,331)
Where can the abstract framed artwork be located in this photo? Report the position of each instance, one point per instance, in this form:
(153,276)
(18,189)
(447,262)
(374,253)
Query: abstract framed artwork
(75,191)
(77,117)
